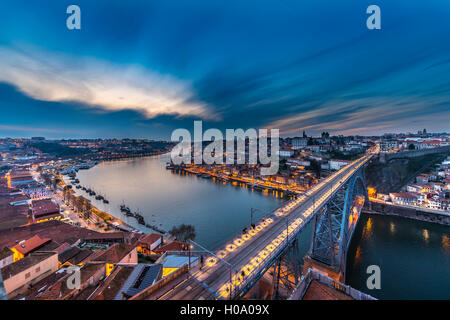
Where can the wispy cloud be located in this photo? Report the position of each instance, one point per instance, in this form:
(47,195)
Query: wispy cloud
(368,116)
(98,84)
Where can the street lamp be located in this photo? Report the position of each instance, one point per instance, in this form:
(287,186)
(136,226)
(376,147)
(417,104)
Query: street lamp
(252,211)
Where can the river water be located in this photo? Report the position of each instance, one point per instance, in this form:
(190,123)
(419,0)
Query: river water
(414,257)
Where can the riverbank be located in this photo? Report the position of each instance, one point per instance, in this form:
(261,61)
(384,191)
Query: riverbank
(414,213)
(252,183)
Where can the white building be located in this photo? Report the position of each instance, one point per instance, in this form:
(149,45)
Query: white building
(299,143)
(337,164)
(285,152)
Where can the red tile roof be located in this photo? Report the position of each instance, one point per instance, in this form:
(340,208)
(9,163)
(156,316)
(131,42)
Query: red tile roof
(115,253)
(31,244)
(150,239)
(44,207)
(173,246)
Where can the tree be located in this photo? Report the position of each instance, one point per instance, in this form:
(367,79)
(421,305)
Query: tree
(184,232)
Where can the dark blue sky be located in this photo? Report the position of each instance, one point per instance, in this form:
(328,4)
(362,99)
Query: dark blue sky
(145,68)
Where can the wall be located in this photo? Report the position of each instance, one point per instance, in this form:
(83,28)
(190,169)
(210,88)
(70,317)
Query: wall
(385,157)
(410,213)
(18,281)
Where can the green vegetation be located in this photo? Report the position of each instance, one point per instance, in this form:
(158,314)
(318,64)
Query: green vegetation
(184,232)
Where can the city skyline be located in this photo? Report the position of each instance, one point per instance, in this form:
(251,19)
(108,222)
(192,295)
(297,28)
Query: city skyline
(143,70)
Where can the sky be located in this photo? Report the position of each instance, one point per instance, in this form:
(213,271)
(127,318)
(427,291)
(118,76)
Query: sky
(141,69)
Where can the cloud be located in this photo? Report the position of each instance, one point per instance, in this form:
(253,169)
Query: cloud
(97,84)
(370,115)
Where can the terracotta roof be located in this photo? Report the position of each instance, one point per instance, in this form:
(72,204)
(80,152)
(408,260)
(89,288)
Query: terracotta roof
(31,244)
(151,238)
(115,253)
(62,248)
(106,235)
(173,246)
(59,290)
(56,230)
(44,207)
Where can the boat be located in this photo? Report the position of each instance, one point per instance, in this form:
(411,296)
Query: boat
(124,208)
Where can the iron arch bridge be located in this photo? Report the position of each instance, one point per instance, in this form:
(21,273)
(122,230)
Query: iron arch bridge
(336,223)
(230,272)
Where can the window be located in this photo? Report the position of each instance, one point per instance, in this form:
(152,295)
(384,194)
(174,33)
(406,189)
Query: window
(27,275)
(38,269)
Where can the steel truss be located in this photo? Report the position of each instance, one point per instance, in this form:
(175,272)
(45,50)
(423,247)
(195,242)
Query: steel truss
(332,231)
(287,270)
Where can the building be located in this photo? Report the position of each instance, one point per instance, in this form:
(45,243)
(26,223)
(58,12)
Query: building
(299,143)
(337,164)
(118,253)
(173,246)
(403,198)
(285,152)
(6,257)
(142,277)
(45,210)
(422,179)
(36,191)
(148,243)
(388,145)
(73,256)
(34,267)
(90,275)
(25,247)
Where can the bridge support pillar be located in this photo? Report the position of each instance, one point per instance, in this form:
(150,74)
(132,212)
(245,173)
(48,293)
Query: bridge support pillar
(334,227)
(286,272)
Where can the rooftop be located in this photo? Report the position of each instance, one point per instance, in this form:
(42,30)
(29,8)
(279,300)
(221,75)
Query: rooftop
(44,207)
(115,253)
(25,263)
(150,238)
(5,252)
(142,277)
(31,244)
(320,291)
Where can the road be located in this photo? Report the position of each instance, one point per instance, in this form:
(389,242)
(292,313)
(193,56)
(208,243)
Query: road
(244,256)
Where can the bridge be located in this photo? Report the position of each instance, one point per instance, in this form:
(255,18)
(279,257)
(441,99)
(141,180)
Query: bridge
(231,272)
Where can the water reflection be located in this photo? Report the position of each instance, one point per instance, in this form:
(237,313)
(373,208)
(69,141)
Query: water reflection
(426,235)
(392,227)
(406,251)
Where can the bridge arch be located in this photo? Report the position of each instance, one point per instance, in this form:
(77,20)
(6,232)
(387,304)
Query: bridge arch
(336,223)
